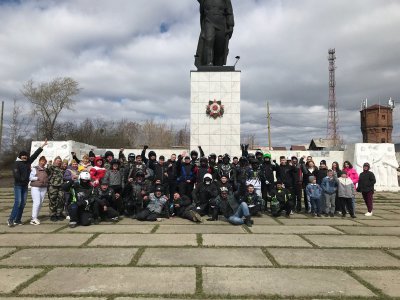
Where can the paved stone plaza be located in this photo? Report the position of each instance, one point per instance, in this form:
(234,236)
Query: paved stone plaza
(297,258)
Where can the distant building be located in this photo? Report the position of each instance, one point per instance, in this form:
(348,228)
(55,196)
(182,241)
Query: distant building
(320,144)
(377,123)
(298,148)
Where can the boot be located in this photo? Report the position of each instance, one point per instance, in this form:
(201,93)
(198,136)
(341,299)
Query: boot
(248,222)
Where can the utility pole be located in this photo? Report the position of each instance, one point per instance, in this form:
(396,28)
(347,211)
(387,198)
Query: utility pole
(1,124)
(269,127)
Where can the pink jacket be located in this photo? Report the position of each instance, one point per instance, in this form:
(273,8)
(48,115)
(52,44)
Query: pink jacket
(352,174)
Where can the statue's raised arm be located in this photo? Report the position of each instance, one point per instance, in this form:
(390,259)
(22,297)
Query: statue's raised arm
(217,22)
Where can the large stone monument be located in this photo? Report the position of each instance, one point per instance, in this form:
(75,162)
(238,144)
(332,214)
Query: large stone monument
(382,158)
(215,88)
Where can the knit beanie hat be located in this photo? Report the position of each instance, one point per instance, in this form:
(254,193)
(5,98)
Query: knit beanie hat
(65,161)
(91,154)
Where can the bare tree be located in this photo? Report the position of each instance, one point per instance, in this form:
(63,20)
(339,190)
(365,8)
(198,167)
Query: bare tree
(49,99)
(18,127)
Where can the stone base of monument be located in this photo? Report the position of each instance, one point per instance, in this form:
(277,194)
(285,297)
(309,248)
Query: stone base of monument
(215,111)
(383,162)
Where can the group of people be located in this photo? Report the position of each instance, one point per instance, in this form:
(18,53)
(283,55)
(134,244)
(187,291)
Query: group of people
(93,188)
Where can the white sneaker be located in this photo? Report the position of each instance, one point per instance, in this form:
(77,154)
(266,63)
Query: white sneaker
(368,214)
(67,218)
(35,222)
(291,212)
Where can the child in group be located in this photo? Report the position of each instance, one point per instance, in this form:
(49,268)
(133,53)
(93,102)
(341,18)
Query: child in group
(346,192)
(329,188)
(281,200)
(314,192)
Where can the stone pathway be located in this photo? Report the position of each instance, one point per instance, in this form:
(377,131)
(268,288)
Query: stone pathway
(278,258)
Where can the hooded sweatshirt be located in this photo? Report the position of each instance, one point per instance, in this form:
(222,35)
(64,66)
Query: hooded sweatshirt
(345,188)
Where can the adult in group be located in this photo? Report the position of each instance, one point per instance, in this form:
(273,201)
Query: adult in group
(39,183)
(366,184)
(21,172)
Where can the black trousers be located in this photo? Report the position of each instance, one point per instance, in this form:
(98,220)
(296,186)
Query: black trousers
(297,191)
(186,189)
(147,215)
(346,203)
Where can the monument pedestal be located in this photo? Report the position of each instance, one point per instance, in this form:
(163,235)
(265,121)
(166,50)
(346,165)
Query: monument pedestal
(222,134)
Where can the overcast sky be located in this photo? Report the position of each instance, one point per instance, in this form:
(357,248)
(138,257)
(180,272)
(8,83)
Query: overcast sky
(133,59)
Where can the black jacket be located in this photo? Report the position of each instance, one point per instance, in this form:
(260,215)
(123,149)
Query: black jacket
(184,202)
(366,182)
(22,169)
(203,193)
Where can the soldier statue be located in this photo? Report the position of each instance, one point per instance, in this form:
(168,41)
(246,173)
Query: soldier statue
(217,22)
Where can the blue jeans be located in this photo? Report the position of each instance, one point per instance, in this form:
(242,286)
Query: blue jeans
(315,205)
(242,211)
(20,194)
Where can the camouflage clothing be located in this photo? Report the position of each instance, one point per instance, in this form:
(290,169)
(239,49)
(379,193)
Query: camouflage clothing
(55,193)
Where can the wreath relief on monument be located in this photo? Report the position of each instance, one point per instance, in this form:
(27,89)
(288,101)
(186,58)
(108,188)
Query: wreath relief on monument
(214,109)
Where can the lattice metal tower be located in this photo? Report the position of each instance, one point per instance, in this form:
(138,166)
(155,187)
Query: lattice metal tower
(332,133)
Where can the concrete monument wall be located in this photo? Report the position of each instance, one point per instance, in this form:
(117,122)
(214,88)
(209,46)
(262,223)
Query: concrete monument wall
(382,159)
(220,135)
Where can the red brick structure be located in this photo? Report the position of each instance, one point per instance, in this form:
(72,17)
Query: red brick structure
(377,124)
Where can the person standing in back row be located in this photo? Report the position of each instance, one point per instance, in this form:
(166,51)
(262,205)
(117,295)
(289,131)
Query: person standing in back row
(366,184)
(21,172)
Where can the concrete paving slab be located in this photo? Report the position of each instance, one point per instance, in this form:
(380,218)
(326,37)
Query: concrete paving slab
(254,240)
(265,221)
(43,239)
(100,281)
(69,256)
(145,240)
(333,258)
(380,223)
(114,228)
(385,280)
(5,251)
(204,257)
(11,278)
(396,252)
(354,241)
(319,221)
(363,230)
(27,228)
(54,298)
(392,216)
(287,229)
(200,229)
(271,281)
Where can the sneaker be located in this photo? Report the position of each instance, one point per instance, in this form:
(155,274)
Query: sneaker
(53,218)
(60,217)
(159,219)
(35,222)
(353,216)
(18,223)
(116,219)
(368,214)
(291,212)
(68,218)
(10,223)
(72,224)
(319,215)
